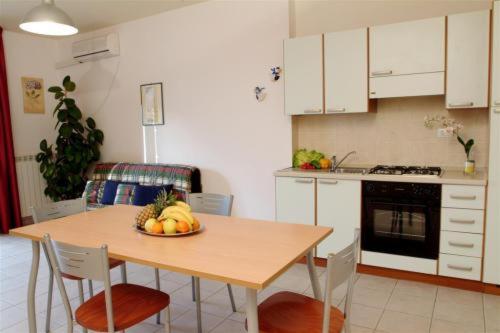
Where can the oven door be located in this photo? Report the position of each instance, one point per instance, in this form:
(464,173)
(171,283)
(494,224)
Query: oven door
(405,228)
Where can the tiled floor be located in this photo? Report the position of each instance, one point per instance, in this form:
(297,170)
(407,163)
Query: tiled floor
(379,304)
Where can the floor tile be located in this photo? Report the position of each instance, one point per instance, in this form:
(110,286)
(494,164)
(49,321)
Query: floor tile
(230,326)
(416,288)
(465,297)
(365,316)
(443,326)
(397,322)
(375,282)
(411,304)
(459,313)
(187,322)
(376,298)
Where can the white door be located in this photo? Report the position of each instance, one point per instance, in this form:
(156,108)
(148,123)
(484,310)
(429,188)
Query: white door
(495,61)
(408,47)
(346,71)
(303,74)
(339,206)
(295,200)
(467,71)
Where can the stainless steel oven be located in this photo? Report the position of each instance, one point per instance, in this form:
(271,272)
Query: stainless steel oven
(401,218)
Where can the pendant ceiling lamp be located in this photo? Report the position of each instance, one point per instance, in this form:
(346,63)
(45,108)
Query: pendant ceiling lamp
(47,19)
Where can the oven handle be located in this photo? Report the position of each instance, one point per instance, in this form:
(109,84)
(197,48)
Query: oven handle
(463,197)
(460,268)
(459,244)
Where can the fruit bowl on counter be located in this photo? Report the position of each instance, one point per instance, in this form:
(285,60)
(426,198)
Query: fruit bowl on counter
(167,217)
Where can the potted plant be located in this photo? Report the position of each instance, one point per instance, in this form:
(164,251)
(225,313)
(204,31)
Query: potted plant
(453,127)
(77,146)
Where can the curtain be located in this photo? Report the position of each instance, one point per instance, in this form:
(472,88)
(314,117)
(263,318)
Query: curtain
(10,208)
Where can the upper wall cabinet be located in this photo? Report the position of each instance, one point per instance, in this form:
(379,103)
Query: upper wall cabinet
(468,60)
(495,63)
(303,62)
(346,68)
(407,59)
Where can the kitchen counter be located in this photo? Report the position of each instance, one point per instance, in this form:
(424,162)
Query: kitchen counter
(450,176)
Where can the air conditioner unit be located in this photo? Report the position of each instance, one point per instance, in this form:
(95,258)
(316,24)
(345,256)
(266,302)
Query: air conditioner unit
(96,48)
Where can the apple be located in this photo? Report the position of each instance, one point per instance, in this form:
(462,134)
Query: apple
(169,226)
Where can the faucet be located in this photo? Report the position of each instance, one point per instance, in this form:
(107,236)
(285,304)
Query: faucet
(335,164)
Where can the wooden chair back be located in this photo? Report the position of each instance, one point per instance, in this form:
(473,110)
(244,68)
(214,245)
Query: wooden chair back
(341,268)
(211,203)
(83,262)
(57,210)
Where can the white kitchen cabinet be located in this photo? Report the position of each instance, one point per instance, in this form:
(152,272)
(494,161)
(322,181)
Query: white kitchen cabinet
(339,207)
(491,269)
(295,201)
(303,75)
(467,71)
(346,71)
(414,49)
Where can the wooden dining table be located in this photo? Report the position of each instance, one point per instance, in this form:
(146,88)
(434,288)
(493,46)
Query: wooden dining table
(243,252)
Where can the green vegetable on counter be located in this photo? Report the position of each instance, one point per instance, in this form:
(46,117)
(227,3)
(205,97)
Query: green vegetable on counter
(302,156)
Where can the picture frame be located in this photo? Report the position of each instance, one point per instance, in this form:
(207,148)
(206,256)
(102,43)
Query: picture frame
(152,104)
(33,95)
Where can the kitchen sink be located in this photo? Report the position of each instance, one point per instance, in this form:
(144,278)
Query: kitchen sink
(361,171)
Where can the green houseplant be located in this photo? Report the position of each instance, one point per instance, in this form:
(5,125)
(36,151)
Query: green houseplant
(77,146)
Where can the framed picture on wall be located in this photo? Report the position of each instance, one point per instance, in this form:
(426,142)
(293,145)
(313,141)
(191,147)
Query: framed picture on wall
(152,104)
(33,95)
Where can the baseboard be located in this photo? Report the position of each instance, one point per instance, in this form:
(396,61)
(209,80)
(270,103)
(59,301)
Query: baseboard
(478,286)
(27,220)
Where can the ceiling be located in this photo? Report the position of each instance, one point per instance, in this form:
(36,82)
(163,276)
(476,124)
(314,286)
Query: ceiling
(90,15)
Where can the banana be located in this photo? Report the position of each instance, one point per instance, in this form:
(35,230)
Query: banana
(177,213)
(184,205)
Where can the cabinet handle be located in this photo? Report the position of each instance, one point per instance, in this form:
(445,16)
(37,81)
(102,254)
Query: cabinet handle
(459,244)
(335,110)
(386,72)
(463,221)
(328,182)
(462,197)
(496,110)
(496,102)
(312,111)
(460,268)
(304,181)
(460,105)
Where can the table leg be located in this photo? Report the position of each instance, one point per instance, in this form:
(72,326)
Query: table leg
(197,296)
(35,261)
(251,309)
(313,275)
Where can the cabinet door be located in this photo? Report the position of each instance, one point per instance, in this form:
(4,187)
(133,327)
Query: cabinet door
(495,59)
(408,47)
(467,70)
(346,71)
(339,206)
(303,62)
(295,200)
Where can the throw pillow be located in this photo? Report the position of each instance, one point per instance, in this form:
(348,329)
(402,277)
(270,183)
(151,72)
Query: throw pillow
(144,195)
(93,191)
(109,193)
(124,194)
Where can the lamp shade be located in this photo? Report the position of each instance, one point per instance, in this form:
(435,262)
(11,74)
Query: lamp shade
(47,19)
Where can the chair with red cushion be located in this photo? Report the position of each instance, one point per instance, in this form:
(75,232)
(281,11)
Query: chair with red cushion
(288,312)
(118,307)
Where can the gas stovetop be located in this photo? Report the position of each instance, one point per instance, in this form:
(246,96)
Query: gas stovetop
(406,170)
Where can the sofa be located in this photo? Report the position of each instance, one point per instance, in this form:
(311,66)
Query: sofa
(183,179)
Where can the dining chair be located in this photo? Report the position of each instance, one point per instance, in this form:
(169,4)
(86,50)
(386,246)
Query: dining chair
(118,307)
(286,311)
(57,210)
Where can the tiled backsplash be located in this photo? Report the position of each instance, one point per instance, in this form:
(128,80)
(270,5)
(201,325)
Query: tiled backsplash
(395,134)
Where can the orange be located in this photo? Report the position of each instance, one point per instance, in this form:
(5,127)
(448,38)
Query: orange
(182,227)
(196,224)
(157,228)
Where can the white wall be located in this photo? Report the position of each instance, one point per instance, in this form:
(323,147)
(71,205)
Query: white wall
(29,56)
(209,57)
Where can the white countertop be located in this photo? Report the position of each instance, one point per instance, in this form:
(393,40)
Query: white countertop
(449,176)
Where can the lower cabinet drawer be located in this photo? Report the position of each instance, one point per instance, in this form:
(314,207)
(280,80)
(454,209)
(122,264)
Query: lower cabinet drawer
(460,243)
(463,220)
(460,267)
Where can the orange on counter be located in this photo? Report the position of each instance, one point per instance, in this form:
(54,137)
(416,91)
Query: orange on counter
(196,224)
(182,227)
(157,228)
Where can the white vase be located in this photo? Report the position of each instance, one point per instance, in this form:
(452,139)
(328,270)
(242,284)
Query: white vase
(470,167)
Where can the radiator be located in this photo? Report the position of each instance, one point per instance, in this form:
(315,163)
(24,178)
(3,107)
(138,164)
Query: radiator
(31,184)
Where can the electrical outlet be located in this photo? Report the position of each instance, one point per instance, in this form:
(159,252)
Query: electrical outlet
(444,133)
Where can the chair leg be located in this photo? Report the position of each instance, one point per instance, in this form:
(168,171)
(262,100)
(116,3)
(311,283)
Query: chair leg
(192,289)
(157,278)
(80,295)
(49,301)
(123,269)
(167,319)
(231,297)
(91,289)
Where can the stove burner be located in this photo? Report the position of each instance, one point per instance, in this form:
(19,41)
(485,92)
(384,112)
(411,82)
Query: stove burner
(406,170)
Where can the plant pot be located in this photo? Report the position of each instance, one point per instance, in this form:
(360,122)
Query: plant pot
(470,167)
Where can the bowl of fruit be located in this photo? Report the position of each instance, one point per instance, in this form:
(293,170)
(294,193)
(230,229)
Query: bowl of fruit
(167,217)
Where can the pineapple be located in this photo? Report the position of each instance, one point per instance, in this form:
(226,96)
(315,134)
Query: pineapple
(145,214)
